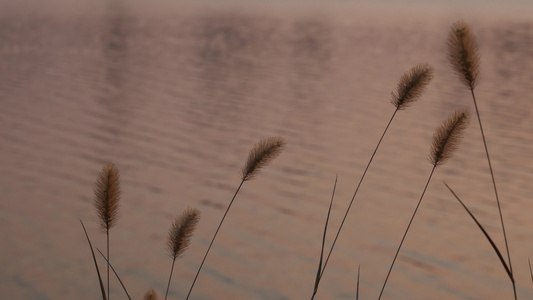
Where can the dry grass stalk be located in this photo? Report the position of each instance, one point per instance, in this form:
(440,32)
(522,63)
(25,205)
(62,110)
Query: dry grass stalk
(411,85)
(150,295)
(447,137)
(463,53)
(107,196)
(445,141)
(261,155)
(181,231)
(464,57)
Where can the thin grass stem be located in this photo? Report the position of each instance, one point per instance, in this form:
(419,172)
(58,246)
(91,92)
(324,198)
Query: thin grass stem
(213,239)
(357,189)
(170,278)
(116,274)
(493,180)
(407,230)
(107,246)
(102,289)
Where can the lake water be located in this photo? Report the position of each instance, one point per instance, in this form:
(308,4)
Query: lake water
(176,95)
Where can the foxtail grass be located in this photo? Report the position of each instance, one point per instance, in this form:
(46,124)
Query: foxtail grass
(410,88)
(465,60)
(261,155)
(179,237)
(463,54)
(106,200)
(445,141)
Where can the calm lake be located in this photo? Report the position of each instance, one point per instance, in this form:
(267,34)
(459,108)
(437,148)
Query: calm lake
(177,94)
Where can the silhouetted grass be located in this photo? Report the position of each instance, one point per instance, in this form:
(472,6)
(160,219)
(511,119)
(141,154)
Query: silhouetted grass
(465,61)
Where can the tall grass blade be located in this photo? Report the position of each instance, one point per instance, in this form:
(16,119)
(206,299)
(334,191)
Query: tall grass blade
(530,270)
(502,260)
(318,274)
(116,274)
(445,141)
(358,277)
(179,236)
(261,154)
(406,231)
(95,263)
(409,89)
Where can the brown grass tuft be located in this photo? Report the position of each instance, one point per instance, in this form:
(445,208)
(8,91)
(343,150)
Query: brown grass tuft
(261,154)
(411,85)
(463,53)
(447,137)
(150,295)
(107,195)
(180,232)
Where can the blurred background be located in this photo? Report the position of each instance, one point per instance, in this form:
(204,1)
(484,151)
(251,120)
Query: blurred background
(177,93)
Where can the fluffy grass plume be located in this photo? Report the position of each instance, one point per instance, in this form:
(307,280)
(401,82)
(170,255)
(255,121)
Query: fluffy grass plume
(107,196)
(411,85)
(261,155)
(463,53)
(150,295)
(448,135)
(179,236)
(180,233)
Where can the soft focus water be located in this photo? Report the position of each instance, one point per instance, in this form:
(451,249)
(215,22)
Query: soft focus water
(176,95)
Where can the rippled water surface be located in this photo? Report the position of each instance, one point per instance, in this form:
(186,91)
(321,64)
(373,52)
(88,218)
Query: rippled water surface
(176,95)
